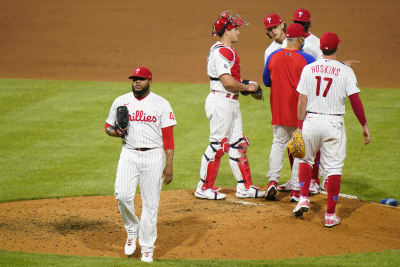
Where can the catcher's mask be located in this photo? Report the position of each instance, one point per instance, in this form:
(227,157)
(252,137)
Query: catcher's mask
(226,22)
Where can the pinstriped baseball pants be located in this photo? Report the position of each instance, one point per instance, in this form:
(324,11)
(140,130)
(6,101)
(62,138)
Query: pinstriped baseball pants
(144,168)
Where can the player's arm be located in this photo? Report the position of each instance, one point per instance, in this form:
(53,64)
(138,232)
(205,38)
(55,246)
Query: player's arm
(234,86)
(168,144)
(358,109)
(110,130)
(301,110)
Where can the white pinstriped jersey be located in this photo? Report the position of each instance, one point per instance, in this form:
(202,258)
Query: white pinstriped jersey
(146,118)
(327,83)
(271,48)
(217,65)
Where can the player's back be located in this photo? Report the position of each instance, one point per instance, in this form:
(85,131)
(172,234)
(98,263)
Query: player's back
(327,83)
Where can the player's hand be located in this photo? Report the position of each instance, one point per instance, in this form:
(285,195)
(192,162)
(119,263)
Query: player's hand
(168,174)
(252,87)
(350,62)
(121,132)
(366,134)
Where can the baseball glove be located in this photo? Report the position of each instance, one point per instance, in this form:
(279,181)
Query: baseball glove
(257,94)
(122,121)
(296,145)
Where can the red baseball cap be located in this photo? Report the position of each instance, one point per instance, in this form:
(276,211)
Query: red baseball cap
(141,72)
(329,41)
(295,30)
(302,14)
(272,20)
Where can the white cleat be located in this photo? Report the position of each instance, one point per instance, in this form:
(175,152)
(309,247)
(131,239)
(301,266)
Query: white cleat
(302,206)
(252,192)
(331,219)
(209,194)
(147,256)
(315,188)
(130,246)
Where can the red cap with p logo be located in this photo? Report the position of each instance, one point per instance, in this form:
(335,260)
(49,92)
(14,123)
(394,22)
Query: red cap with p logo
(141,72)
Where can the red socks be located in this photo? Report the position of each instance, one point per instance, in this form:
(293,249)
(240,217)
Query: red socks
(333,188)
(304,179)
(315,168)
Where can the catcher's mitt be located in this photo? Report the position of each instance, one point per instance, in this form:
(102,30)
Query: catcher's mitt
(296,145)
(257,94)
(122,120)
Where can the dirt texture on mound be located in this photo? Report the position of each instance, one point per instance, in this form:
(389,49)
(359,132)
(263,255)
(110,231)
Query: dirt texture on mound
(198,229)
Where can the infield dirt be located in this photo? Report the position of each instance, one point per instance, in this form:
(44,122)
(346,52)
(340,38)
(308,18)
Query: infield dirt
(104,40)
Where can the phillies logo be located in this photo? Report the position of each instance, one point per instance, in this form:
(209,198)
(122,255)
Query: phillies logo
(137,70)
(300,14)
(269,20)
(141,116)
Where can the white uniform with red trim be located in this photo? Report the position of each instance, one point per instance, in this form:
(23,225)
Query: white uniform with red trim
(142,162)
(326,83)
(223,110)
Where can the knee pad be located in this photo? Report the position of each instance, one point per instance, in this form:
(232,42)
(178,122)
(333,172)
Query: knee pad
(212,156)
(239,162)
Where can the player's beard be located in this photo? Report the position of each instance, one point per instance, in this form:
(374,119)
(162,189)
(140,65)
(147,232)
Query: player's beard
(141,93)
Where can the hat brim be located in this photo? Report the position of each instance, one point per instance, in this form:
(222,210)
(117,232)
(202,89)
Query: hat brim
(131,77)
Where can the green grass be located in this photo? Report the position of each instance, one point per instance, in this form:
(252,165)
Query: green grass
(384,258)
(53,144)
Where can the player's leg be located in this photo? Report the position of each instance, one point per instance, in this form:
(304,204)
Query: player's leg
(151,164)
(220,116)
(282,135)
(315,187)
(125,188)
(334,153)
(312,138)
(238,159)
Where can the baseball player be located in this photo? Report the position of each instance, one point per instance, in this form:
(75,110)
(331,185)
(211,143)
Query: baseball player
(223,110)
(275,29)
(282,72)
(146,158)
(323,89)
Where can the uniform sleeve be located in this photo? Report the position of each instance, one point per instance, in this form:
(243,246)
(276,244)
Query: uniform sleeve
(267,74)
(112,116)
(224,59)
(302,86)
(309,58)
(167,115)
(351,83)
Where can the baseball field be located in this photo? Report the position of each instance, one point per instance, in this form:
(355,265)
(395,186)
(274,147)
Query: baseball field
(63,63)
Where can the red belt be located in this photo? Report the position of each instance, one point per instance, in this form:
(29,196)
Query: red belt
(228,95)
(324,113)
(142,149)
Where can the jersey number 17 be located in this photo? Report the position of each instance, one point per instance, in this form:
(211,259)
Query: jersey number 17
(328,85)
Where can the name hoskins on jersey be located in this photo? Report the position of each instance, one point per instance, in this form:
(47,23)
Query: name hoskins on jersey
(327,83)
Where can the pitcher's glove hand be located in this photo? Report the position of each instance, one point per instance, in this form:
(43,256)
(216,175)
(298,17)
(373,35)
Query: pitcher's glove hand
(296,145)
(257,94)
(121,124)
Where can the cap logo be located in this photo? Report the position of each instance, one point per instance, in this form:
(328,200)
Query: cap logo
(300,14)
(269,20)
(137,70)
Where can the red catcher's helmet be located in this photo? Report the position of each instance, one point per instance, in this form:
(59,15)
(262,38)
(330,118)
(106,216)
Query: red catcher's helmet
(226,21)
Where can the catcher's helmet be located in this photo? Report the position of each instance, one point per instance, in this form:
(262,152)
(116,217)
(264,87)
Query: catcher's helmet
(226,21)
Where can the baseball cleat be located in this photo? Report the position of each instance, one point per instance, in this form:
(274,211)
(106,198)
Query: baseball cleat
(315,188)
(294,196)
(286,187)
(209,194)
(331,219)
(302,206)
(130,246)
(252,192)
(147,256)
(271,191)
